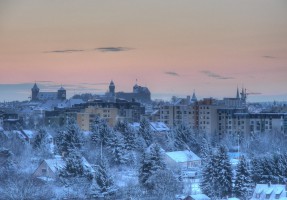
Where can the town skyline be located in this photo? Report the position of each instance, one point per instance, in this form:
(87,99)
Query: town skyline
(176,48)
(22,91)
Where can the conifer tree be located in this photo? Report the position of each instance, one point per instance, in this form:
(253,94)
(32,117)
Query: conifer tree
(74,166)
(129,135)
(117,149)
(70,138)
(224,173)
(101,132)
(151,162)
(256,170)
(205,150)
(105,183)
(217,175)
(145,131)
(96,128)
(242,185)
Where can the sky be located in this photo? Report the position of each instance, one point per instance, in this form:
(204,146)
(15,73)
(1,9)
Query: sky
(172,47)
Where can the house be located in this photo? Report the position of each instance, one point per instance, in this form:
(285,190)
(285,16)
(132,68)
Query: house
(49,168)
(184,159)
(269,191)
(199,197)
(193,197)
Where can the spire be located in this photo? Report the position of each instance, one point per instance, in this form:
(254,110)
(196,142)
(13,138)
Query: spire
(237,94)
(35,87)
(193,98)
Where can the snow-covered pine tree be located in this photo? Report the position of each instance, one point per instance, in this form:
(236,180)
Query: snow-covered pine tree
(152,161)
(74,166)
(185,138)
(267,167)
(104,180)
(256,170)
(101,132)
(96,129)
(145,170)
(129,134)
(156,158)
(224,173)
(182,137)
(205,150)
(39,139)
(117,149)
(243,185)
(209,175)
(145,131)
(70,138)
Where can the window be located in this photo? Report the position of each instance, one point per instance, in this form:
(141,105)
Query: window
(44,171)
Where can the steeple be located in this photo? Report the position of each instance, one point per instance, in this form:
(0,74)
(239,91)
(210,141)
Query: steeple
(35,91)
(237,94)
(193,98)
(112,88)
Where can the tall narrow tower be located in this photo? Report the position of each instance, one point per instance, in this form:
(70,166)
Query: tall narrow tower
(112,88)
(237,94)
(61,94)
(35,91)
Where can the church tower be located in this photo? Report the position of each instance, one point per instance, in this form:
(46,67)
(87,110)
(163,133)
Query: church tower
(237,94)
(61,94)
(35,91)
(112,88)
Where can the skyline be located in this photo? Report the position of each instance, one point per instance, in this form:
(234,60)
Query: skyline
(171,47)
(22,92)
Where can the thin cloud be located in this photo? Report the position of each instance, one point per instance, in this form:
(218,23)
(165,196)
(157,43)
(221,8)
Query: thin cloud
(112,49)
(171,73)
(65,51)
(269,57)
(214,75)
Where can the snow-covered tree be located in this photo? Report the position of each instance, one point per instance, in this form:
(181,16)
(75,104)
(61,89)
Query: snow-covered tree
(185,138)
(243,185)
(70,138)
(224,173)
(129,135)
(145,131)
(217,175)
(165,184)
(74,166)
(101,132)
(209,175)
(205,150)
(104,184)
(117,149)
(151,162)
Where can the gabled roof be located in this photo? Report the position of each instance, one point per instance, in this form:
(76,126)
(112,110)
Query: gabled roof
(262,190)
(182,156)
(55,164)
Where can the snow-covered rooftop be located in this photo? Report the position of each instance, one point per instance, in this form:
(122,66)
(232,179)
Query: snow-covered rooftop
(30,134)
(159,126)
(56,163)
(182,156)
(155,126)
(275,191)
(199,197)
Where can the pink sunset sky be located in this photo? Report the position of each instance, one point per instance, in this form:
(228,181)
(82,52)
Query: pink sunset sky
(171,46)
